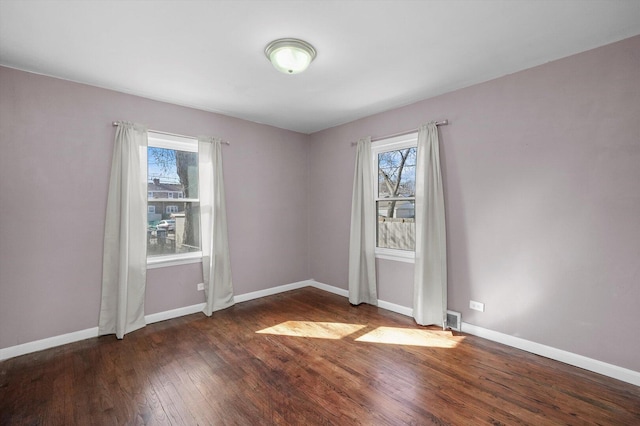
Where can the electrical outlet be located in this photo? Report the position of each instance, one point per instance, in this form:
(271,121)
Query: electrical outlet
(476,306)
(201,287)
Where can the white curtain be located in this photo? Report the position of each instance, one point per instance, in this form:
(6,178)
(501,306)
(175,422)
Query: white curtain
(362,266)
(430,280)
(124,265)
(216,264)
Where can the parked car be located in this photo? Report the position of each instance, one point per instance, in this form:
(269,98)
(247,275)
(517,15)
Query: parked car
(167,225)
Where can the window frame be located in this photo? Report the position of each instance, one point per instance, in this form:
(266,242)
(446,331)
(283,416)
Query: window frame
(178,143)
(395,143)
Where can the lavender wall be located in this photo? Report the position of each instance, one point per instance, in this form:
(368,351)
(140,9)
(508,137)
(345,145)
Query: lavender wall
(542,188)
(541,172)
(56,141)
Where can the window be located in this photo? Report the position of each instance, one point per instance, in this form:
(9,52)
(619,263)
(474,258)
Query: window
(173,231)
(394,189)
(151,209)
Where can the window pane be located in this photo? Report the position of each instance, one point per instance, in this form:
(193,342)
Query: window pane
(173,233)
(172,173)
(397,173)
(173,226)
(396,225)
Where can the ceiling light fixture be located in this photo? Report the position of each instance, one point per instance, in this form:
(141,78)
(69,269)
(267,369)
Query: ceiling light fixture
(290,55)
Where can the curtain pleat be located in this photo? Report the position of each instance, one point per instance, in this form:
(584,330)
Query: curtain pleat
(430,280)
(362,267)
(216,263)
(124,266)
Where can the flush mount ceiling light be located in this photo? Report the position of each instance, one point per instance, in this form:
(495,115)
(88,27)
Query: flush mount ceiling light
(290,55)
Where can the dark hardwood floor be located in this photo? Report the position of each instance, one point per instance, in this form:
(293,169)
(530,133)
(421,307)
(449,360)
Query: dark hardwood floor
(252,364)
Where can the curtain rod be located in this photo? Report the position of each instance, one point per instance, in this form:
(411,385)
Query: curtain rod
(116,123)
(406,132)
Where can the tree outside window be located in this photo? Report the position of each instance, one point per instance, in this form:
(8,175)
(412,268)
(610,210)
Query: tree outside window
(172,174)
(394,193)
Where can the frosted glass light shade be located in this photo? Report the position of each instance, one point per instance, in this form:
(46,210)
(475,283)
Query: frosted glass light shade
(290,55)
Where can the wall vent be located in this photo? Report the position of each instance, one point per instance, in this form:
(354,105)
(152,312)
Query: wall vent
(454,320)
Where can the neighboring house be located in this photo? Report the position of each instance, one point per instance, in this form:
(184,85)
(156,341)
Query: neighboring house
(158,210)
(156,189)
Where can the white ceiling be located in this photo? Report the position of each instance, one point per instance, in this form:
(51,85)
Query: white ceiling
(372,55)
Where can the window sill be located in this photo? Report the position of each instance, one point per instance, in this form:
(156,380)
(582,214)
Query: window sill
(396,255)
(183,259)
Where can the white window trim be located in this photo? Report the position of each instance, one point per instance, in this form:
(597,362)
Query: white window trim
(181,144)
(174,260)
(395,254)
(174,200)
(390,144)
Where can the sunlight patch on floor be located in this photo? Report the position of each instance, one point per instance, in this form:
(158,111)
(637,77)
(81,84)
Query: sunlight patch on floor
(406,336)
(318,330)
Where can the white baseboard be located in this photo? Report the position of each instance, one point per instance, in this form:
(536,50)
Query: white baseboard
(570,358)
(329,288)
(63,339)
(395,308)
(270,291)
(76,336)
(49,342)
(381,303)
(173,313)
(239,298)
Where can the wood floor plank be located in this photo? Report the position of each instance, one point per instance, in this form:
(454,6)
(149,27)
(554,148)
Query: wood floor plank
(304,357)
